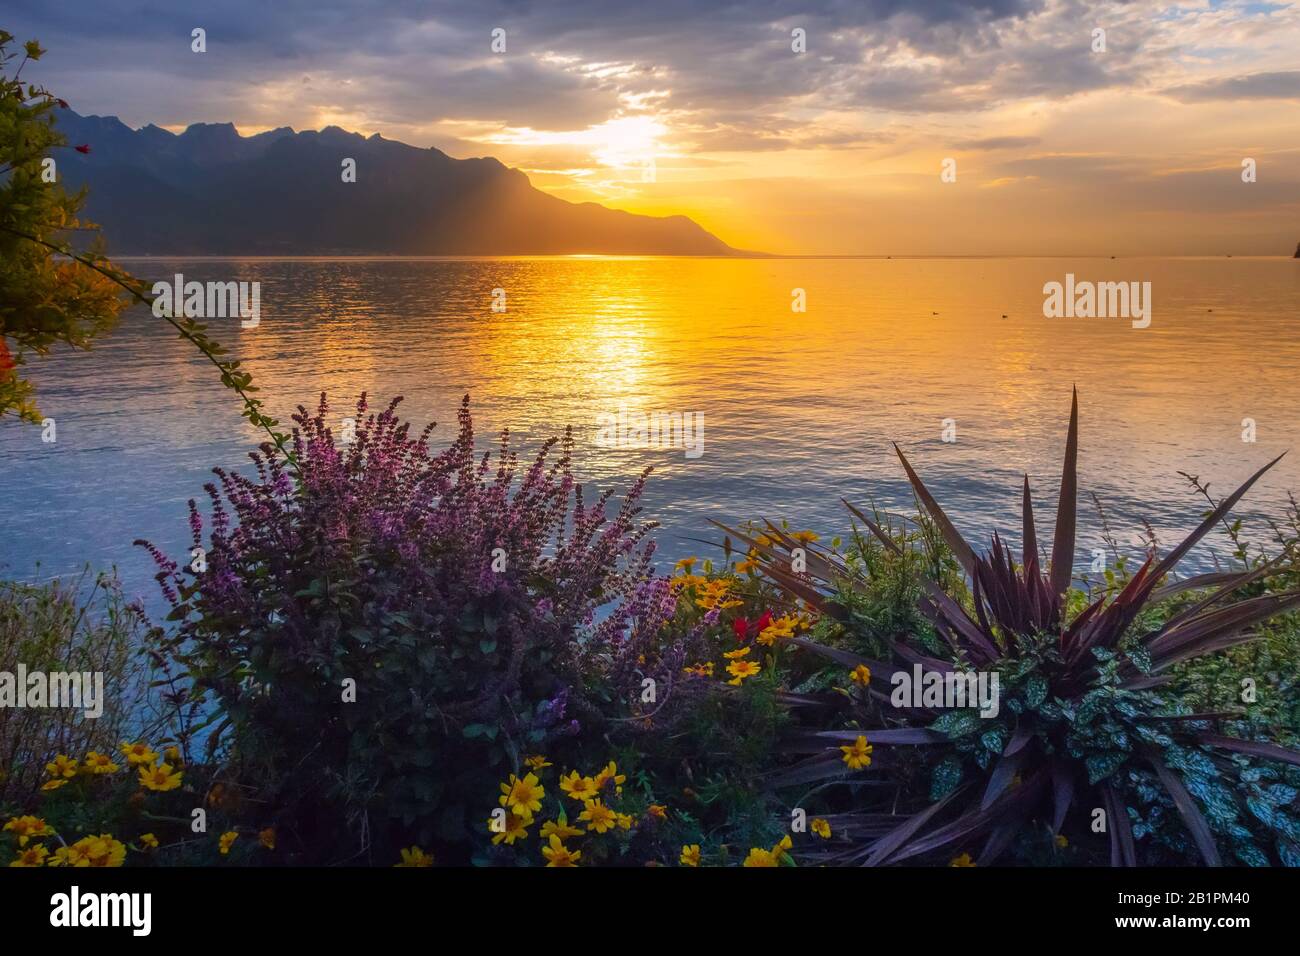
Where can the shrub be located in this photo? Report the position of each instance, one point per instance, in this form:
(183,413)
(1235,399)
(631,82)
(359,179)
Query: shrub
(43,300)
(69,627)
(1087,720)
(385,632)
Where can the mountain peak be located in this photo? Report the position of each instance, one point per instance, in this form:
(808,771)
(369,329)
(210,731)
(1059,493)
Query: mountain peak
(212,191)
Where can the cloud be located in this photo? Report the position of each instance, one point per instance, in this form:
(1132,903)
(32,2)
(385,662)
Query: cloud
(1000,142)
(1252,86)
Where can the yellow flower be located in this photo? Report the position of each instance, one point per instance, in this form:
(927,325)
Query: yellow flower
(100,850)
(53,784)
(139,753)
(861,675)
(608,774)
(24,828)
(749,564)
(560,829)
(760,857)
(267,838)
(99,763)
(738,654)
(690,855)
(858,754)
(963,860)
(414,857)
(173,756)
(516,828)
(740,670)
(784,844)
(578,787)
(62,766)
(558,855)
(701,670)
(658,811)
(227,841)
(805,537)
(822,828)
(782,627)
(159,777)
(598,816)
(149,840)
(32,856)
(523,797)
(1061,841)
(69,856)
(536,762)
(715,596)
(685,564)
(625,821)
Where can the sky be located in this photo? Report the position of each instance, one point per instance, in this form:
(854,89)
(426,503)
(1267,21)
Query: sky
(1063,141)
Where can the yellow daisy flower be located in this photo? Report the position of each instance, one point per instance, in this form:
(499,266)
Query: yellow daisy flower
(414,857)
(98,763)
(560,829)
(858,754)
(159,777)
(608,774)
(24,828)
(598,816)
(516,828)
(138,753)
(523,797)
(740,670)
(32,856)
(578,787)
(62,767)
(557,854)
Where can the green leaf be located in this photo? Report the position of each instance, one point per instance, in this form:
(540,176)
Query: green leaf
(946,778)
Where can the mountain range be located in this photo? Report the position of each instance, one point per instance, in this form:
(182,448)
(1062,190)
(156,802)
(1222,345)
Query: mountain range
(211,191)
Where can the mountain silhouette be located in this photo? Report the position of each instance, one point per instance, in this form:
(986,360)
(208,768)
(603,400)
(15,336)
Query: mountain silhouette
(211,191)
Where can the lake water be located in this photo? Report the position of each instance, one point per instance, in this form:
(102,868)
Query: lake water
(799,408)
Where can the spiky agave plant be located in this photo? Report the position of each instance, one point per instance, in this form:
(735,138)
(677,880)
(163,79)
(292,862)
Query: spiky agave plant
(1083,723)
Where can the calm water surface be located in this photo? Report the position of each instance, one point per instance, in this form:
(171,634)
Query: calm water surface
(799,409)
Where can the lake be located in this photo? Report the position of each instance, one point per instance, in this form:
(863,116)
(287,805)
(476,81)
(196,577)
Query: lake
(799,408)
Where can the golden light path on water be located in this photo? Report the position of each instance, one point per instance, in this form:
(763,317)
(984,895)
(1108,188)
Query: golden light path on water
(799,408)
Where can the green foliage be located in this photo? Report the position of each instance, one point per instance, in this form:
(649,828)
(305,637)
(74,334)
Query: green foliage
(43,300)
(60,627)
(1096,697)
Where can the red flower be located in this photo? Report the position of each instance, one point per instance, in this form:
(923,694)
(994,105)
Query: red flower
(745,630)
(83,148)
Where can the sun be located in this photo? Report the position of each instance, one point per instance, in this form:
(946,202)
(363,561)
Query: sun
(624,143)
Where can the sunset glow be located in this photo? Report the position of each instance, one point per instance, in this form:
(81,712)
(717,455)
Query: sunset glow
(837,149)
